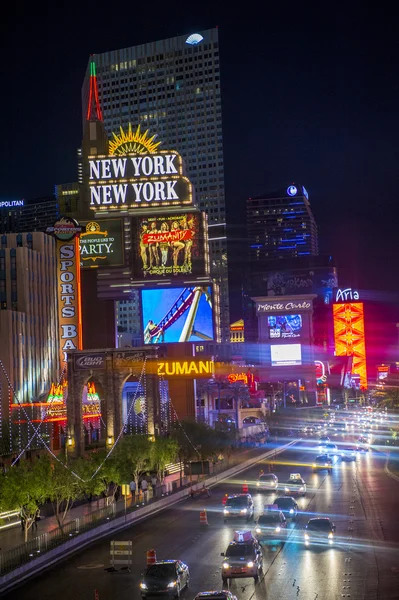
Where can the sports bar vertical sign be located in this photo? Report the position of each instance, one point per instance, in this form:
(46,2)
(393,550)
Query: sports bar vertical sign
(66,232)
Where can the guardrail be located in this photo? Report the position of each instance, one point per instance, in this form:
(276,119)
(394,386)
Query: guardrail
(33,551)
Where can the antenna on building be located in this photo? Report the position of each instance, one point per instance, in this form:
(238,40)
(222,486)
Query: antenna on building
(93,107)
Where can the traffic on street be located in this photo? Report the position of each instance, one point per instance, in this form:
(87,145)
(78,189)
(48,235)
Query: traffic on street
(339,541)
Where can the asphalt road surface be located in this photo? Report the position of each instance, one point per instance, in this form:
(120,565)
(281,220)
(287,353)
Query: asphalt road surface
(360,498)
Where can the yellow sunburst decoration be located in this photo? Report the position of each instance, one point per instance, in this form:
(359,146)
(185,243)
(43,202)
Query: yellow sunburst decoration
(132,142)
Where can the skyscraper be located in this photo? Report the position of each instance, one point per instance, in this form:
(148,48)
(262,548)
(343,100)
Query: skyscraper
(172,88)
(281,225)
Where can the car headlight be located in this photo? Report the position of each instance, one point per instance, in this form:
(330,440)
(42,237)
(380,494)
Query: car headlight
(258,530)
(291,511)
(278,529)
(143,586)
(326,464)
(330,536)
(226,565)
(301,489)
(243,510)
(250,564)
(172,584)
(257,483)
(314,465)
(226,511)
(306,536)
(286,489)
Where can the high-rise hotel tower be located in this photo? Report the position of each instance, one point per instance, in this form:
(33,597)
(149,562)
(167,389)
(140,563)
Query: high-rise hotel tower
(172,88)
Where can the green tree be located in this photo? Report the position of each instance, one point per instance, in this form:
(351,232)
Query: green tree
(391,399)
(26,487)
(64,489)
(132,458)
(163,451)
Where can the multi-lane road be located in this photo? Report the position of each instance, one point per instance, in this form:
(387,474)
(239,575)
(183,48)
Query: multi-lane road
(360,497)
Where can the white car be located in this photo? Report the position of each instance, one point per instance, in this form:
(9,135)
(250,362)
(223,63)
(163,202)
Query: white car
(267,483)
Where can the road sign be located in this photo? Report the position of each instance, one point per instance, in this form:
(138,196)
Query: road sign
(121,553)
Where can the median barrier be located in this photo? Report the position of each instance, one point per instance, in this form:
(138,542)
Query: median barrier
(45,558)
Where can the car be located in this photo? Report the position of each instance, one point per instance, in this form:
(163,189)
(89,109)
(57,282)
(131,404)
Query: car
(267,483)
(331,449)
(324,439)
(295,486)
(165,578)
(319,530)
(287,505)
(271,527)
(362,449)
(215,595)
(323,462)
(243,557)
(348,454)
(239,506)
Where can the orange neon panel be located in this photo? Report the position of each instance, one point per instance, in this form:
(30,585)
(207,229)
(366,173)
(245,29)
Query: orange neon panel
(349,336)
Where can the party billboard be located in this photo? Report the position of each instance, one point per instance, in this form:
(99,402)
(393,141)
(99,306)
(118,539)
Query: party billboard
(177,314)
(101,245)
(169,244)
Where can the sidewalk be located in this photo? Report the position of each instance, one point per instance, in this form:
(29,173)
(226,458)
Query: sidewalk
(14,536)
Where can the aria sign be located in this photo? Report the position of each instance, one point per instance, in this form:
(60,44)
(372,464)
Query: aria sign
(139,181)
(346,295)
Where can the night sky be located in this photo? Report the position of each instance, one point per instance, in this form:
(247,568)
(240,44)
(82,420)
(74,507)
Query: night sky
(310,94)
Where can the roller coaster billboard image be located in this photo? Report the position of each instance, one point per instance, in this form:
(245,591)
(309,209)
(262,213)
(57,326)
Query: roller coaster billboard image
(177,315)
(169,245)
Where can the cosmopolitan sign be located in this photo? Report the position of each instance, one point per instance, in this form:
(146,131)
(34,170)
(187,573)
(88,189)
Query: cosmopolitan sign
(11,203)
(268,307)
(137,181)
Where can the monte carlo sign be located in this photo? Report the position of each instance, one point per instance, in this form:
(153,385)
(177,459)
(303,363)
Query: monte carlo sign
(137,181)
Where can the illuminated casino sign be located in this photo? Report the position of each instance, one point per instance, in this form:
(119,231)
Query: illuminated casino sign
(346,295)
(11,203)
(101,245)
(137,181)
(66,232)
(273,306)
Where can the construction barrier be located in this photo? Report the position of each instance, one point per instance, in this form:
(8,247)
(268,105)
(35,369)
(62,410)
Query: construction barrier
(225,499)
(151,557)
(245,488)
(203,518)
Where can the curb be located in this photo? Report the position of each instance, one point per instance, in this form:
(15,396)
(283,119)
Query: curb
(388,470)
(48,559)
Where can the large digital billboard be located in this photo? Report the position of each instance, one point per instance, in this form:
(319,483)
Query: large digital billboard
(284,326)
(101,245)
(349,336)
(286,355)
(166,245)
(177,314)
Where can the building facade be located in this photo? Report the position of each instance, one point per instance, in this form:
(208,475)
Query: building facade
(36,214)
(281,225)
(28,317)
(172,88)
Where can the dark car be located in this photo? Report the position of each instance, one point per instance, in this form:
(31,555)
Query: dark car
(239,506)
(167,577)
(331,449)
(271,527)
(348,454)
(242,558)
(323,462)
(287,505)
(215,595)
(319,531)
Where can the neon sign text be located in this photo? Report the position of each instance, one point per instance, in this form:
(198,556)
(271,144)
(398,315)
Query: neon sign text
(346,294)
